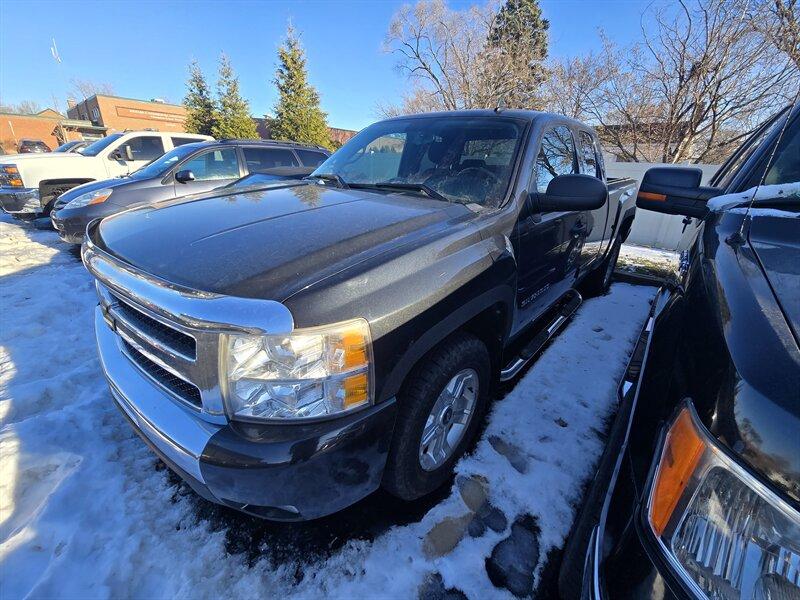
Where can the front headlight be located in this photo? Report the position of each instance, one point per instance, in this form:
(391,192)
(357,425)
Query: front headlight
(11,176)
(314,372)
(95,197)
(726,534)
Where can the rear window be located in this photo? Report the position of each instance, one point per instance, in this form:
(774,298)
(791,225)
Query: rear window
(260,159)
(311,158)
(180,141)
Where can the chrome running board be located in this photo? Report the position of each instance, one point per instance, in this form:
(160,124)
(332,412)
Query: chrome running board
(572,300)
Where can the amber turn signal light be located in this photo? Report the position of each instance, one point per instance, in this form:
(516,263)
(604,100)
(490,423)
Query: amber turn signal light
(682,451)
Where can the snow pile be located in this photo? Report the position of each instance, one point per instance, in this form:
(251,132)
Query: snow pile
(761,192)
(85,513)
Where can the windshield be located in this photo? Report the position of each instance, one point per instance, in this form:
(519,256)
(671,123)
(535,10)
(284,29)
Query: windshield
(100,145)
(463,159)
(165,162)
(65,147)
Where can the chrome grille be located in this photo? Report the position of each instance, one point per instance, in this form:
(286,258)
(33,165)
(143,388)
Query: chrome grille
(170,337)
(172,383)
(181,360)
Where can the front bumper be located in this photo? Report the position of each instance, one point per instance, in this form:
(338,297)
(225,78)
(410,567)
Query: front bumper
(20,200)
(280,472)
(71,229)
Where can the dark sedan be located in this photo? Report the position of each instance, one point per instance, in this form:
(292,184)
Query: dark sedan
(698,492)
(185,170)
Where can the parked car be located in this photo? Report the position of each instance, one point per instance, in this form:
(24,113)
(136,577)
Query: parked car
(30,184)
(187,169)
(73,146)
(32,146)
(288,352)
(698,492)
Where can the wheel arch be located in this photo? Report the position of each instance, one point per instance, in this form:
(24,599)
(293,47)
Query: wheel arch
(487,317)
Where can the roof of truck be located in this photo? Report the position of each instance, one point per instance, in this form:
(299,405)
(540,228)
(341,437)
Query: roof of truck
(528,115)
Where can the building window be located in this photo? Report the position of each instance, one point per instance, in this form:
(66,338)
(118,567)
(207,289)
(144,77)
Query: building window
(95,114)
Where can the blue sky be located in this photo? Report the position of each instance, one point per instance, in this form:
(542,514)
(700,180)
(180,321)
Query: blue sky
(143,48)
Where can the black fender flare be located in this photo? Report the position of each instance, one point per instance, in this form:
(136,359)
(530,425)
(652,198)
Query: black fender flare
(502,296)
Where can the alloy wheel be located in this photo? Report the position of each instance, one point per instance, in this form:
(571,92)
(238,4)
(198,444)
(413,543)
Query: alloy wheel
(449,419)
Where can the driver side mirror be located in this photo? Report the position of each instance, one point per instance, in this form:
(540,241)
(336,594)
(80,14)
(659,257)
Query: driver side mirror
(573,192)
(115,155)
(184,176)
(675,191)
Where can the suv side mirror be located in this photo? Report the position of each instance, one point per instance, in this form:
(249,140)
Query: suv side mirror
(573,192)
(675,191)
(184,176)
(115,155)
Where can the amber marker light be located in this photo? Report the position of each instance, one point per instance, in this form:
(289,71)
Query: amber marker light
(682,451)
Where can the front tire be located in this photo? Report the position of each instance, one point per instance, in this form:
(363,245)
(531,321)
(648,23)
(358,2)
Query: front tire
(440,411)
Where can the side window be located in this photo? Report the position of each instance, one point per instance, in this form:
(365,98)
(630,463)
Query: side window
(258,159)
(785,166)
(556,156)
(214,164)
(179,141)
(145,147)
(311,158)
(586,155)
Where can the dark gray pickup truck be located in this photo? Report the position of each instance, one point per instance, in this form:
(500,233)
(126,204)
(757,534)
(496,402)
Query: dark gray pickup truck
(288,351)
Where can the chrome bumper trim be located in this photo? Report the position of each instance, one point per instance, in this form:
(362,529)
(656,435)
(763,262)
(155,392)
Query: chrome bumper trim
(192,308)
(30,197)
(177,434)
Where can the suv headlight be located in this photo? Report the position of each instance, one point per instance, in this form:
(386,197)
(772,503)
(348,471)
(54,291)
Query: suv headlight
(314,372)
(726,534)
(95,197)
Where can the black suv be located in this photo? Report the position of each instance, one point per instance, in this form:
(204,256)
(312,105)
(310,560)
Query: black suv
(187,169)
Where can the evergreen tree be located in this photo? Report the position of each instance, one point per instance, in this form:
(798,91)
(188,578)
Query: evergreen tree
(298,115)
(201,110)
(520,32)
(234,111)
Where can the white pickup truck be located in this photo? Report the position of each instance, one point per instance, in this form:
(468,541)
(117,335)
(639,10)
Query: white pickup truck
(30,183)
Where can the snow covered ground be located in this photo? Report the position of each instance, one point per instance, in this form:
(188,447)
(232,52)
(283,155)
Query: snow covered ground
(86,510)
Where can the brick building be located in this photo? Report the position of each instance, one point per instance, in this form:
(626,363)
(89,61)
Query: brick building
(117,114)
(338,136)
(47,125)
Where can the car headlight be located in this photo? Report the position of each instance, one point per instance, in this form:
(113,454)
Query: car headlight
(726,534)
(11,176)
(95,197)
(314,372)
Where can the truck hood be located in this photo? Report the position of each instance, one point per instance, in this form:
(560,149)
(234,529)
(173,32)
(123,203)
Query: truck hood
(27,157)
(270,243)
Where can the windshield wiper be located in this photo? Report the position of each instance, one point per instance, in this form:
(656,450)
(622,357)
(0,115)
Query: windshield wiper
(335,177)
(410,187)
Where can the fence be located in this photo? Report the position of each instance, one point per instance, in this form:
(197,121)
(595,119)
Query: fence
(650,228)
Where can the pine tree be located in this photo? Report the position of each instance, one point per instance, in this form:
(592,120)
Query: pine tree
(520,32)
(234,111)
(201,110)
(298,115)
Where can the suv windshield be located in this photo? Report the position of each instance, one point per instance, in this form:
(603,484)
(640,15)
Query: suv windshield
(100,145)
(165,162)
(462,159)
